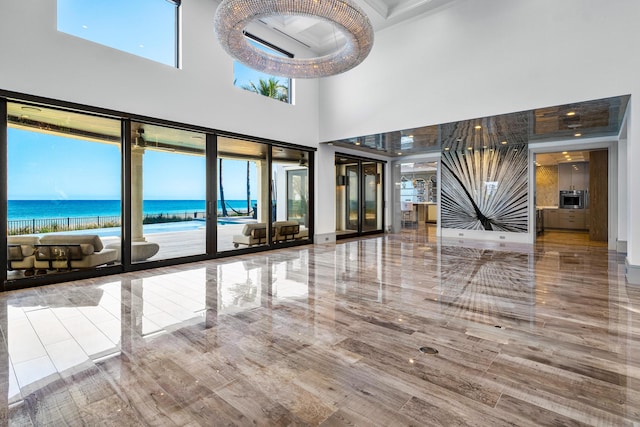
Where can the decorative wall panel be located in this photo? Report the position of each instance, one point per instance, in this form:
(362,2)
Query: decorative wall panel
(547,185)
(485,189)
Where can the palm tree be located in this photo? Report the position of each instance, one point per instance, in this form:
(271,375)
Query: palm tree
(222,202)
(271,88)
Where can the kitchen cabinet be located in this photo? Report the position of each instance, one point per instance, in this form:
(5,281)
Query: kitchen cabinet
(573,176)
(432,212)
(572,219)
(550,218)
(567,219)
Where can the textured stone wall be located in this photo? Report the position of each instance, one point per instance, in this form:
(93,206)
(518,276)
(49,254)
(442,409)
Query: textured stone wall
(547,186)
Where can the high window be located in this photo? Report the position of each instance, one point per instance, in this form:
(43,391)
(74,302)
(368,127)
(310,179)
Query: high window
(261,83)
(147,28)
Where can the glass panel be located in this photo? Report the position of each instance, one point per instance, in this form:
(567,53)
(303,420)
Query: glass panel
(168,192)
(147,28)
(346,195)
(352,204)
(64,180)
(291,194)
(263,84)
(372,196)
(243,194)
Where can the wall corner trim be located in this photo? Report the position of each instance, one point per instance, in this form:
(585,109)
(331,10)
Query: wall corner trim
(319,239)
(632,272)
(621,246)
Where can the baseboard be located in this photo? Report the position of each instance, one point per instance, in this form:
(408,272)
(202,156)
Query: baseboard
(488,236)
(319,239)
(632,272)
(621,246)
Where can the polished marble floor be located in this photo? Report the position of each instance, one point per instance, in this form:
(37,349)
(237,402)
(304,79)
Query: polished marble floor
(332,335)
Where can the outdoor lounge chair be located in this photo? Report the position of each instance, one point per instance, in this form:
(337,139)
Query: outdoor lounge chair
(66,251)
(20,253)
(288,230)
(252,234)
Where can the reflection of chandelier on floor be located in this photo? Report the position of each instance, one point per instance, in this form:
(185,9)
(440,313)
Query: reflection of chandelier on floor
(233,16)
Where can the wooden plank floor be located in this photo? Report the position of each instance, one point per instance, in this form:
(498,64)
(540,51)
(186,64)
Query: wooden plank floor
(331,335)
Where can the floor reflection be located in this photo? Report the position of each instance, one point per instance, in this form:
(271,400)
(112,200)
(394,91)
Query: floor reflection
(329,334)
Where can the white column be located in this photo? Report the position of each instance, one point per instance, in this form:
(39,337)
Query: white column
(137,234)
(633,193)
(623,194)
(263,182)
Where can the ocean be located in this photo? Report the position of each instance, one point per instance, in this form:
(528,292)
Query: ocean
(39,209)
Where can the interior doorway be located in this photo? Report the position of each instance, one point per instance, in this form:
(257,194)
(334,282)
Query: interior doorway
(572,195)
(416,197)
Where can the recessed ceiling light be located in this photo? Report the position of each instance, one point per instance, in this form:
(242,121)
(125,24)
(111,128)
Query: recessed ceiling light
(504,143)
(477,127)
(399,153)
(484,146)
(358,143)
(564,152)
(578,134)
(410,136)
(569,158)
(446,148)
(469,148)
(571,113)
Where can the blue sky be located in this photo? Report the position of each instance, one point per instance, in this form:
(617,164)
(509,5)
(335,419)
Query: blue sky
(243,74)
(49,167)
(46,167)
(142,27)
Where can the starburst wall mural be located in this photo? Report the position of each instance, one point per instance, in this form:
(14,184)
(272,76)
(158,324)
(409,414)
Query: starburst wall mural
(485,189)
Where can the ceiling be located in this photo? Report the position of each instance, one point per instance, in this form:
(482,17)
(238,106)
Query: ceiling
(550,159)
(319,37)
(597,118)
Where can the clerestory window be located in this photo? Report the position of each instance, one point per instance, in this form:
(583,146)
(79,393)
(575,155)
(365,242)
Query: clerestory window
(261,83)
(147,28)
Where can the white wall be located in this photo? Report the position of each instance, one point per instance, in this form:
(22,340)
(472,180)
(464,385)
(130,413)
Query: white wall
(38,60)
(479,58)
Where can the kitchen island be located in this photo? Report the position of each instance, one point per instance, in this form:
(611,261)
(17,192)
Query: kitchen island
(426,211)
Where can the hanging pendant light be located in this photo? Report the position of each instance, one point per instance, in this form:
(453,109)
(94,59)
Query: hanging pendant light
(233,16)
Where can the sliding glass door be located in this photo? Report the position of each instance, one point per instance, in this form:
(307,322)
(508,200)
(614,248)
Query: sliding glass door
(372,195)
(88,193)
(359,196)
(168,192)
(243,188)
(63,191)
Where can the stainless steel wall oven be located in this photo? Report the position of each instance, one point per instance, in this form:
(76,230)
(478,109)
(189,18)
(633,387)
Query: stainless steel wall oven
(573,199)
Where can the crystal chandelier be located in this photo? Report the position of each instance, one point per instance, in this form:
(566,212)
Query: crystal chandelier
(233,16)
